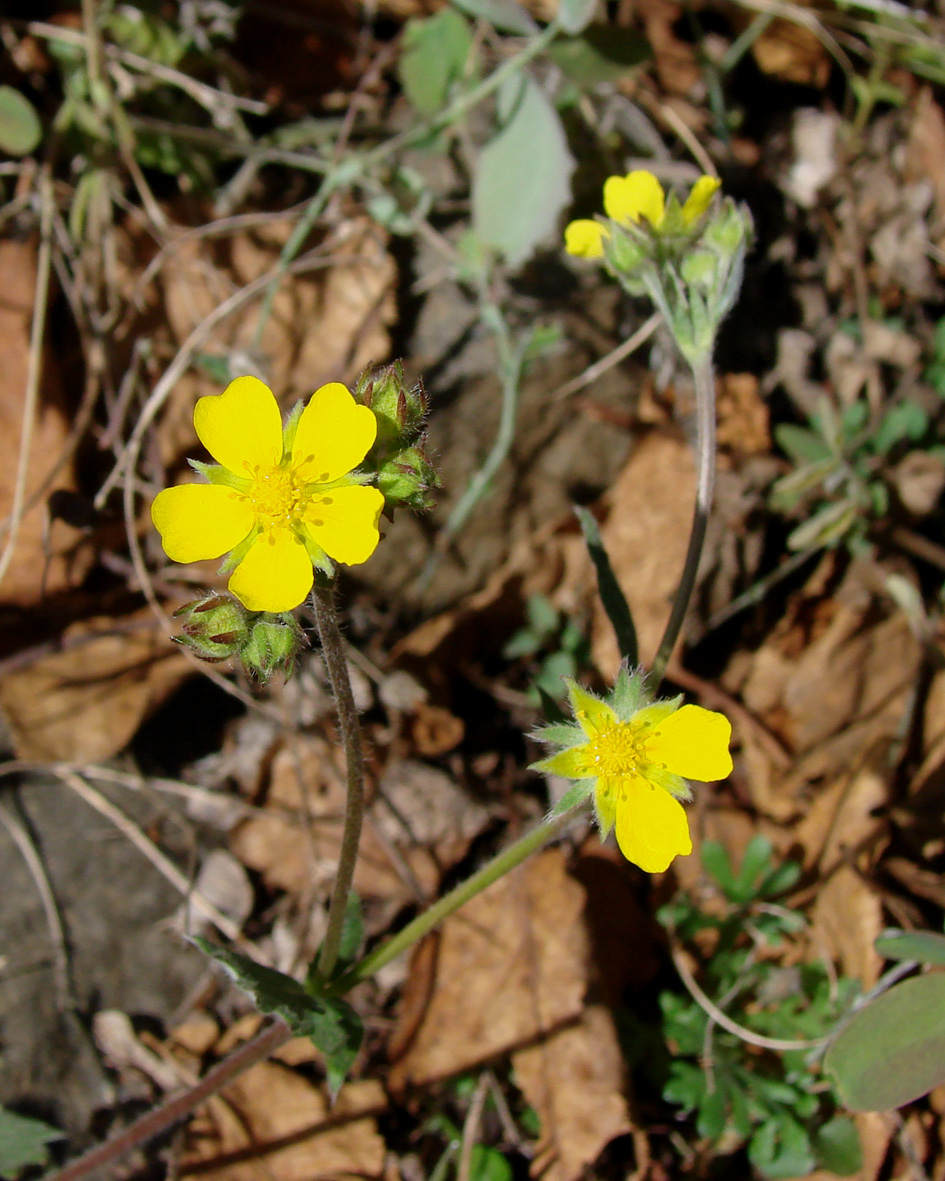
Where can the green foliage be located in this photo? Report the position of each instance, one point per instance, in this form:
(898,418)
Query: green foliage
(770,1102)
(435,52)
(893,1050)
(20,128)
(23,1143)
(925,947)
(332,1024)
(603,53)
(612,597)
(522,180)
(935,370)
(556,644)
(840,459)
(508,16)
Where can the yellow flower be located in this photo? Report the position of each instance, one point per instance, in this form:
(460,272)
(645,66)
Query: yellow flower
(630,199)
(280,501)
(636,762)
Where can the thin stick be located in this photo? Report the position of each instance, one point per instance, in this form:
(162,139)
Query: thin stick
(261,1046)
(34,366)
(705,485)
(333,651)
(782,1045)
(24,842)
(605,364)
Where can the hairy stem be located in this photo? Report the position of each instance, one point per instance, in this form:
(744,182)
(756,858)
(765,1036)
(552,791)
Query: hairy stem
(457,897)
(337,665)
(704,376)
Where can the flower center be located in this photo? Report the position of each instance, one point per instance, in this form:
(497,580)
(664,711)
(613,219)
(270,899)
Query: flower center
(276,497)
(618,751)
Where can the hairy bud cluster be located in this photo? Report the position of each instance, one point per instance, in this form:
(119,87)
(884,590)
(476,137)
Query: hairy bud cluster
(218,627)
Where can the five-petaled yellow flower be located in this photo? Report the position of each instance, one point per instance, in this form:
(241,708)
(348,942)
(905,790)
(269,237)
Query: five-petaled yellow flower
(636,761)
(630,199)
(280,500)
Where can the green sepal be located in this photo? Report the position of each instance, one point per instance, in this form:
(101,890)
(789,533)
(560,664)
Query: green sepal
(576,794)
(331,1023)
(562,734)
(215,473)
(239,552)
(291,427)
(629,693)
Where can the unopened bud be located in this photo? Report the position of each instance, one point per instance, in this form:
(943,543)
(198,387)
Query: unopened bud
(409,478)
(215,627)
(400,410)
(274,644)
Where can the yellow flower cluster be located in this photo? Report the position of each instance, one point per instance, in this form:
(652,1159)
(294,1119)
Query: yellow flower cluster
(281,501)
(633,198)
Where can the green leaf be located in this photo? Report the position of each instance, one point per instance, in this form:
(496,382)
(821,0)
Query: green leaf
(800,443)
(506,15)
(612,597)
(781,1148)
(715,861)
(435,51)
(837,1146)
(602,54)
(522,180)
(893,1050)
(331,1024)
(906,420)
(488,1164)
(826,527)
(756,862)
(20,128)
(924,946)
(23,1142)
(542,614)
(574,15)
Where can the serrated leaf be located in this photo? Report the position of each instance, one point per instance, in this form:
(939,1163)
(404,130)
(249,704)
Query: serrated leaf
(20,128)
(522,179)
(781,1148)
(892,1051)
(837,1146)
(506,15)
(331,1023)
(611,596)
(23,1142)
(602,53)
(924,946)
(435,50)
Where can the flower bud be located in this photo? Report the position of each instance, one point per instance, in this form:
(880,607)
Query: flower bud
(400,411)
(215,627)
(408,478)
(274,643)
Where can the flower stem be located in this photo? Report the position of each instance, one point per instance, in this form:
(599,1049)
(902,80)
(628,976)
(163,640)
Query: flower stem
(261,1046)
(337,665)
(704,375)
(457,897)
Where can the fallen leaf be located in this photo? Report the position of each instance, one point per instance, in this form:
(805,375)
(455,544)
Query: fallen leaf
(792,52)
(85,703)
(506,970)
(29,577)
(271,1124)
(575,1079)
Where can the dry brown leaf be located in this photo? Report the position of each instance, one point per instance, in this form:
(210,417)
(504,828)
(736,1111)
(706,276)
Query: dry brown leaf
(645,534)
(743,415)
(575,1080)
(272,1124)
(508,968)
(793,53)
(846,919)
(925,150)
(84,704)
(24,584)
(875,1130)
(420,820)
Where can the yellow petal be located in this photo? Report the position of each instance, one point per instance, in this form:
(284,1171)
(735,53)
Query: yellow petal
(242,427)
(693,742)
(592,714)
(199,521)
(585,238)
(276,573)
(333,436)
(699,197)
(638,194)
(344,522)
(652,827)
